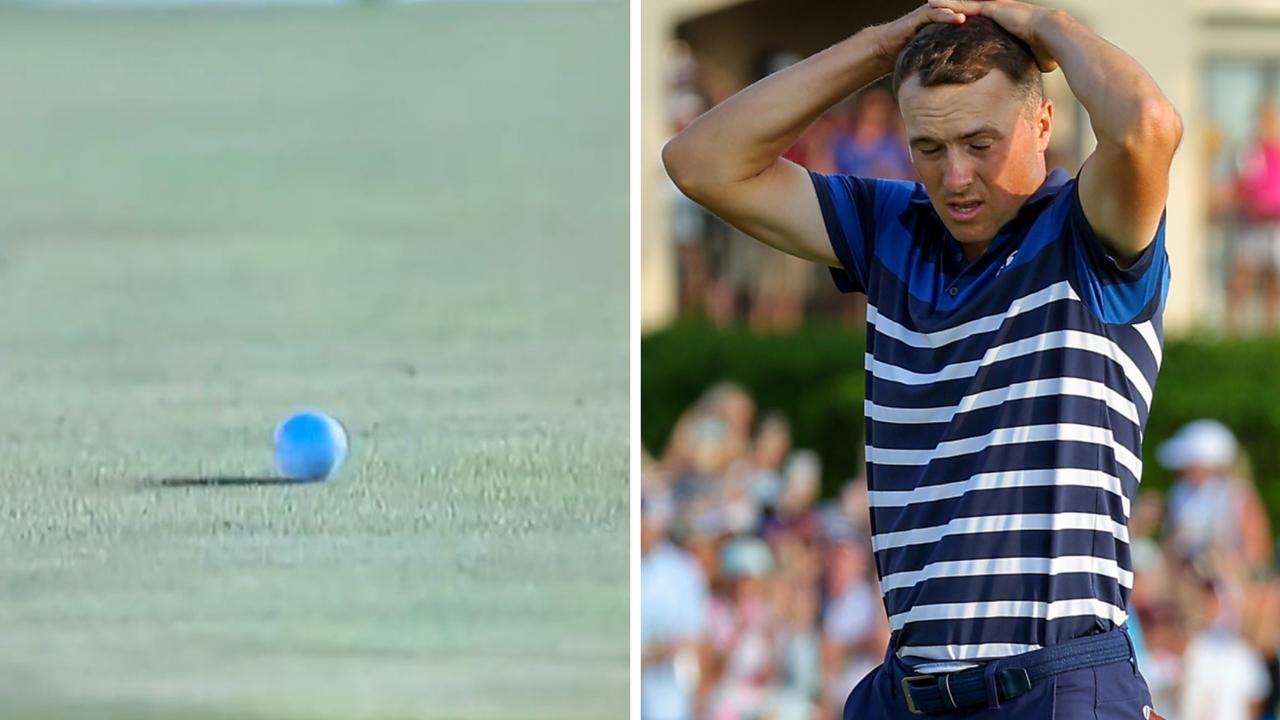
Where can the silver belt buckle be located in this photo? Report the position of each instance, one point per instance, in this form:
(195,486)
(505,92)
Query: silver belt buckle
(906,692)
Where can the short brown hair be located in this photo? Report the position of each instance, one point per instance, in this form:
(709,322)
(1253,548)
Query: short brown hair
(943,54)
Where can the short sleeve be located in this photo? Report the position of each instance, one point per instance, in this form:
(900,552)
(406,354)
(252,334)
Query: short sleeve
(848,210)
(1117,295)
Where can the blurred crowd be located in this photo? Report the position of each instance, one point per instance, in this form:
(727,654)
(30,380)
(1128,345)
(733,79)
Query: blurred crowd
(1245,207)
(727,278)
(759,598)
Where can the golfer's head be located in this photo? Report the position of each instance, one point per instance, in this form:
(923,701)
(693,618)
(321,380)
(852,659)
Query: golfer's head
(978,122)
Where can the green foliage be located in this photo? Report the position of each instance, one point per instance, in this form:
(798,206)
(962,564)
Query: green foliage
(814,376)
(1235,381)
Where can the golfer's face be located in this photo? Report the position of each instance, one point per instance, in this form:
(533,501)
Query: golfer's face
(978,150)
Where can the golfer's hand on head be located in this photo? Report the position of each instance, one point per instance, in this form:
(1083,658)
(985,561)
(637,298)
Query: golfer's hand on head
(1021,19)
(894,36)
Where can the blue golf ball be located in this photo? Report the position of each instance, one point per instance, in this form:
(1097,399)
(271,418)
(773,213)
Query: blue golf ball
(310,446)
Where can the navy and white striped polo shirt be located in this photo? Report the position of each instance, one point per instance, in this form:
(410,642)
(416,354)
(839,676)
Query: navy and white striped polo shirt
(1005,404)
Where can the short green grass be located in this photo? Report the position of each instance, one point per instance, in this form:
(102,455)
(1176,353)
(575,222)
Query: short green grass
(413,217)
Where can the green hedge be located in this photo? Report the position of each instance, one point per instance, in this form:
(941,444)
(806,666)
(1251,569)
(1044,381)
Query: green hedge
(814,376)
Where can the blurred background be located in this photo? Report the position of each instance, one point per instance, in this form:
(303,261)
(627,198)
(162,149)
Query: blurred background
(412,216)
(759,590)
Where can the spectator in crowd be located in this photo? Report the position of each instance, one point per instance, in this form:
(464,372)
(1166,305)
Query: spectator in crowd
(1260,628)
(741,626)
(1223,677)
(738,409)
(850,515)
(772,446)
(797,639)
(855,630)
(1211,507)
(779,290)
(1256,262)
(707,439)
(1154,611)
(673,612)
(802,483)
(873,145)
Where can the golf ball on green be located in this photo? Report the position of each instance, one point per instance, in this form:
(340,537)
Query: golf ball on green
(310,446)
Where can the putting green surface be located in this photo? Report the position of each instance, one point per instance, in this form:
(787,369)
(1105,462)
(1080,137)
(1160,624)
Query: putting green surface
(414,218)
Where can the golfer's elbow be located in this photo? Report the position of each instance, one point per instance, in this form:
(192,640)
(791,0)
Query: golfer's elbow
(1172,124)
(706,170)
(680,161)
(1155,126)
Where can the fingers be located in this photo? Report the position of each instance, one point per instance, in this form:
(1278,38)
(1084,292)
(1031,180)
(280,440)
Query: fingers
(946,16)
(968,7)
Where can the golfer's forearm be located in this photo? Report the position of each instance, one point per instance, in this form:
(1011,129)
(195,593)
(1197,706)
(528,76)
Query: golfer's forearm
(1126,107)
(743,136)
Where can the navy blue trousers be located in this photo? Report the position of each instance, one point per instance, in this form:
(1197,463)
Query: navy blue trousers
(1115,691)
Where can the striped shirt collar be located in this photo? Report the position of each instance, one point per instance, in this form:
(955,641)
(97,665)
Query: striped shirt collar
(920,201)
(919,204)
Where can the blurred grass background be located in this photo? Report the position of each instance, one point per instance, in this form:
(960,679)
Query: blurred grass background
(413,217)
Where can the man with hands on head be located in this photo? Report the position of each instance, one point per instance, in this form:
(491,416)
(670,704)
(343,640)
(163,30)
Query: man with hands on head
(1014,335)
